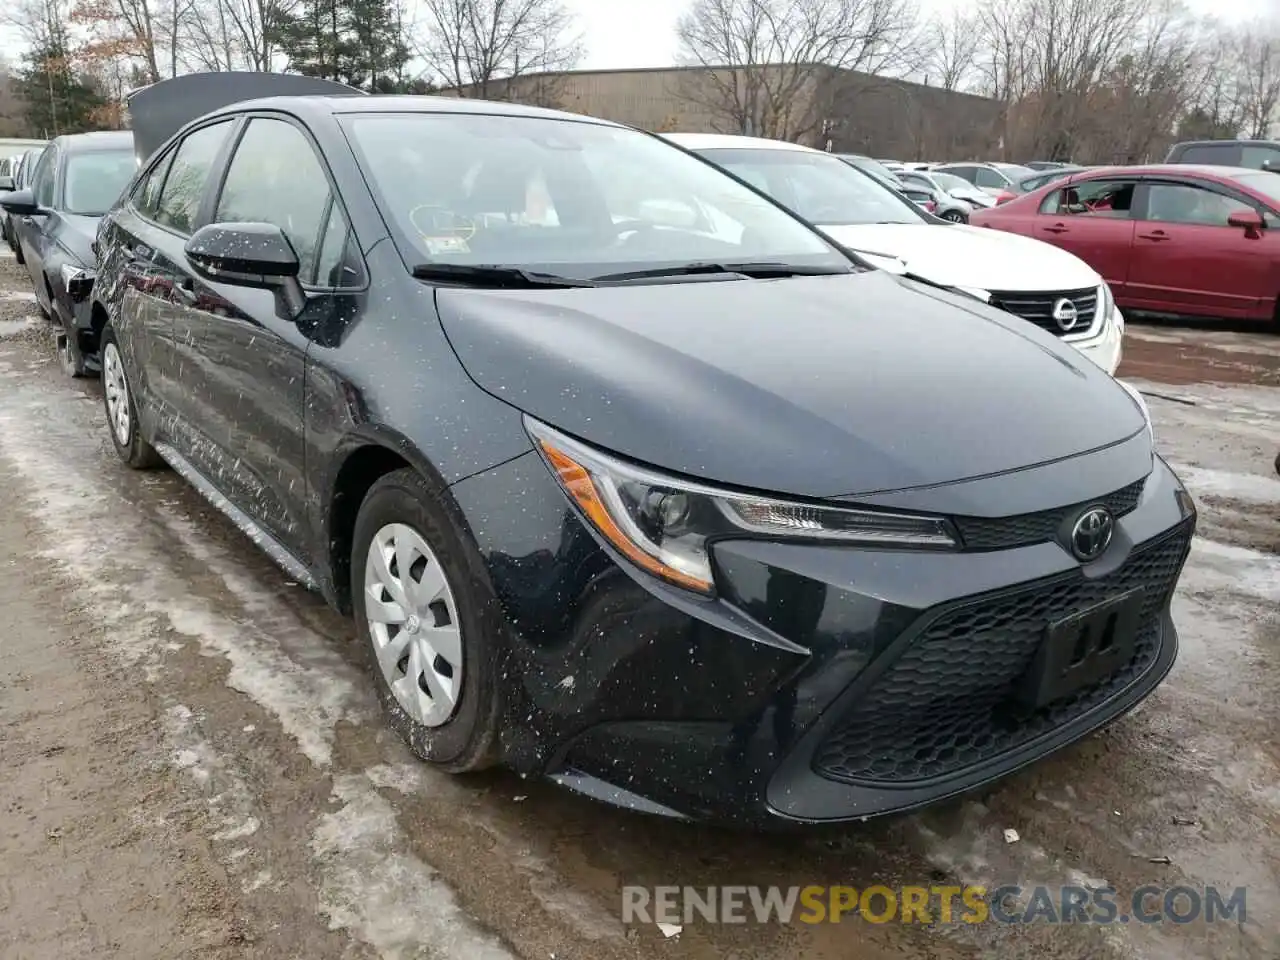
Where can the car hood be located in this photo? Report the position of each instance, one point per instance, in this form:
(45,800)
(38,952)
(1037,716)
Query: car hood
(816,386)
(971,257)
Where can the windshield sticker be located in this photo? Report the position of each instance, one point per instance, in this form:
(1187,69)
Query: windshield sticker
(441,245)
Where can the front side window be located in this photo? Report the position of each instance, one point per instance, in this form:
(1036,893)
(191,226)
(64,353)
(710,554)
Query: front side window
(1184,203)
(184,186)
(45,177)
(95,179)
(817,186)
(275,177)
(146,194)
(1091,198)
(1259,158)
(574,198)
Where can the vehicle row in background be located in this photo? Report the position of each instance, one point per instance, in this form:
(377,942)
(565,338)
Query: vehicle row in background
(54,217)
(1170,239)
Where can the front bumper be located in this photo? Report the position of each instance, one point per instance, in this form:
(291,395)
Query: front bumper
(826,683)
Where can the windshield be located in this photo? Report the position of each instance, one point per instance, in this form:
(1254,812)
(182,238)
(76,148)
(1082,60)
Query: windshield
(576,199)
(871,166)
(96,179)
(818,186)
(1267,184)
(951,183)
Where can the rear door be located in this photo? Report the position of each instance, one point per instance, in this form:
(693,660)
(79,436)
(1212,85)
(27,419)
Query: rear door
(1187,260)
(1094,220)
(152,231)
(251,362)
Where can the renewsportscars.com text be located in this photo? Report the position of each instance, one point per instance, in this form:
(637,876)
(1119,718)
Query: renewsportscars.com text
(1011,904)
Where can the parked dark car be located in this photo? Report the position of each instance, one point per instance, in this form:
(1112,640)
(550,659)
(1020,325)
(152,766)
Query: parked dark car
(21,180)
(1256,154)
(628,477)
(1177,240)
(77,178)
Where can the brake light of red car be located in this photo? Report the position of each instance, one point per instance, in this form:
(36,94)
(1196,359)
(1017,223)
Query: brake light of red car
(1004,196)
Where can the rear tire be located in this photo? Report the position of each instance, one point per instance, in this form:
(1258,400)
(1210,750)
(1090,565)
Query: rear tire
(122,415)
(447,712)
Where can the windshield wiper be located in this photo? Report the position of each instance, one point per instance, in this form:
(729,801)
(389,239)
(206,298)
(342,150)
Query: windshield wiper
(756,270)
(494,276)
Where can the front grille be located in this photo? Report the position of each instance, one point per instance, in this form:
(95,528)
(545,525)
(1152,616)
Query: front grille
(946,703)
(1025,529)
(1037,307)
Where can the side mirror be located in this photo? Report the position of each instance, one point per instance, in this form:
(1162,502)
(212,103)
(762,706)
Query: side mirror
(21,203)
(1249,220)
(249,255)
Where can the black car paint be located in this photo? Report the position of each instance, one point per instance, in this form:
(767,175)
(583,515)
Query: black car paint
(621,686)
(54,238)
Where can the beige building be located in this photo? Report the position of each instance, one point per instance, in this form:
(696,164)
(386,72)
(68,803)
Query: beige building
(808,103)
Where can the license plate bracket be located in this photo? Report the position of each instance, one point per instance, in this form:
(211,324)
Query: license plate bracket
(1079,650)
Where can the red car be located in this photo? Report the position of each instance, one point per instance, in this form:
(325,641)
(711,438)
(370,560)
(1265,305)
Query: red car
(1169,239)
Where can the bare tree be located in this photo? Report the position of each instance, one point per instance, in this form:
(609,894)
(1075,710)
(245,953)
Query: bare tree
(1258,78)
(499,49)
(953,43)
(776,68)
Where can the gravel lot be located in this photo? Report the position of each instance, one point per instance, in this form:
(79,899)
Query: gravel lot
(195,766)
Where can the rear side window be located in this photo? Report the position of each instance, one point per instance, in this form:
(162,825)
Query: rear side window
(1112,199)
(968,174)
(146,195)
(1220,154)
(189,171)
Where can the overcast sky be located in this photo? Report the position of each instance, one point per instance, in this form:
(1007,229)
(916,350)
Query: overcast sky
(640,33)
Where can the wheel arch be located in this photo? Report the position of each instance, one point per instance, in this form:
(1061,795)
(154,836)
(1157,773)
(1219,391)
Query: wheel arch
(365,458)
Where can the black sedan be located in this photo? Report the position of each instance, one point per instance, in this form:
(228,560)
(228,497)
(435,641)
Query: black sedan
(627,476)
(78,177)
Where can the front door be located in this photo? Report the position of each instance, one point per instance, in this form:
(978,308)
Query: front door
(251,360)
(1187,260)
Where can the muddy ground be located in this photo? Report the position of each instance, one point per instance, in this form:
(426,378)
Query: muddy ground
(194,765)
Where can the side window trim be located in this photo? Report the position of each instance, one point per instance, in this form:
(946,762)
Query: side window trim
(335,195)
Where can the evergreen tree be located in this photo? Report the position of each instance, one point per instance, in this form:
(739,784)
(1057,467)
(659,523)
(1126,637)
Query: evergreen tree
(57,100)
(356,42)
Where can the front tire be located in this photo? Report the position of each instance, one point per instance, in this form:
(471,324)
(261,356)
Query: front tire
(429,623)
(122,415)
(954,216)
(70,356)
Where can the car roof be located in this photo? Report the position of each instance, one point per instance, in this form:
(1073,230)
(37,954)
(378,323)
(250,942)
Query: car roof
(1275,144)
(97,140)
(727,141)
(1204,170)
(342,105)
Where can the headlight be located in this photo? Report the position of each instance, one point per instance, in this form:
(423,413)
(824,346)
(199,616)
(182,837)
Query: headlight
(1141,401)
(666,525)
(1106,303)
(77,281)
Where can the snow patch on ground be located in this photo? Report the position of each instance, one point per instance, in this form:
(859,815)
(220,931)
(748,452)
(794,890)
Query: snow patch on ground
(390,900)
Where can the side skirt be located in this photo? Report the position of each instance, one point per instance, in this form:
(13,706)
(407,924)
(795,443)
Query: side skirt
(273,548)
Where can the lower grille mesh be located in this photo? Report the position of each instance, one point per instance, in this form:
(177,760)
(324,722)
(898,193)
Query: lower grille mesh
(946,702)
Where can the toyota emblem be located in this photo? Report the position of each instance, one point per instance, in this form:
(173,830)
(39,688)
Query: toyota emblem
(1091,535)
(1065,314)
